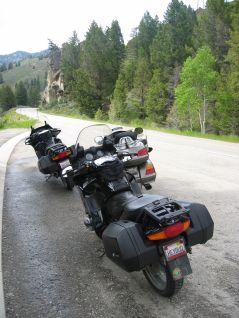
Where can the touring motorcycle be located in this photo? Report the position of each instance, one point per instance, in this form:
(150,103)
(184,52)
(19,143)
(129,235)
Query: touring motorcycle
(54,158)
(137,163)
(139,231)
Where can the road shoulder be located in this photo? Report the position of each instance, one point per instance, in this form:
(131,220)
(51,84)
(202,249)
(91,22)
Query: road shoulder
(6,149)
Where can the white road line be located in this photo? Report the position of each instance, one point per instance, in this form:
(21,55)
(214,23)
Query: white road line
(5,151)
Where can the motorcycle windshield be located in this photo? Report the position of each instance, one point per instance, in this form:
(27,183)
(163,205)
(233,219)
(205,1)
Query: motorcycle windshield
(92,135)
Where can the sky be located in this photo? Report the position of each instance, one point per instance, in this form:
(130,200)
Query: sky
(26,25)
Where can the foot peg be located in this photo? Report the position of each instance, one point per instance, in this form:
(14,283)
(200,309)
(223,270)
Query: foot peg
(147,186)
(88,223)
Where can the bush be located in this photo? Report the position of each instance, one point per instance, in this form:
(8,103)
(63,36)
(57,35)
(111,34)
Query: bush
(100,115)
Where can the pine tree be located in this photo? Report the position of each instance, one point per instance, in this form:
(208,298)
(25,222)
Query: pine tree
(7,98)
(145,34)
(116,48)
(141,82)
(3,67)
(21,93)
(10,66)
(70,58)
(1,78)
(181,21)
(97,65)
(228,92)
(213,28)
(85,94)
(33,96)
(156,99)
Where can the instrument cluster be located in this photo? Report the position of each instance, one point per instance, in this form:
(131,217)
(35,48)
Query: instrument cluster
(94,153)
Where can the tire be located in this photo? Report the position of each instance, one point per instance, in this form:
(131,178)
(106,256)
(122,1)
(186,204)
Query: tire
(68,183)
(160,277)
(100,231)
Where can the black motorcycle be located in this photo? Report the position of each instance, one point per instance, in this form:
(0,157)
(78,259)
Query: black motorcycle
(139,231)
(54,158)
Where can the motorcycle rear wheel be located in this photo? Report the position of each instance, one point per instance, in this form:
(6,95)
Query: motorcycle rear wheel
(160,277)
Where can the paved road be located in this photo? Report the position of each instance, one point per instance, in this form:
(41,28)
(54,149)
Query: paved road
(6,134)
(52,266)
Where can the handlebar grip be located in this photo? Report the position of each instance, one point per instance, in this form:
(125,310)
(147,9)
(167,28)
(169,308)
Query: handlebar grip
(80,170)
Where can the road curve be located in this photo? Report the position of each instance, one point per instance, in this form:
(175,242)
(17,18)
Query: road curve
(52,266)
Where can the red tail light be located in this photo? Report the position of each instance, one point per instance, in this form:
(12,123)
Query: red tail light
(150,168)
(170,231)
(61,155)
(142,152)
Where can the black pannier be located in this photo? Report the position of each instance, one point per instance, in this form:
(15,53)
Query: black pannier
(126,246)
(111,171)
(201,228)
(47,166)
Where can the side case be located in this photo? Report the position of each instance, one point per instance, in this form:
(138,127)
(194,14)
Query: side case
(202,226)
(125,245)
(46,166)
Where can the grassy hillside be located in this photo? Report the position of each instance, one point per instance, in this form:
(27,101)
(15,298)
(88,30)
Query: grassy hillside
(11,119)
(29,69)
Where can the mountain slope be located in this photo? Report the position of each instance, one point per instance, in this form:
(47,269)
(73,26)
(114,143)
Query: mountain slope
(29,69)
(21,55)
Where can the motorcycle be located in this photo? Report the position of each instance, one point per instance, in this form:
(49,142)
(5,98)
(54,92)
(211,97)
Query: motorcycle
(139,231)
(137,163)
(54,158)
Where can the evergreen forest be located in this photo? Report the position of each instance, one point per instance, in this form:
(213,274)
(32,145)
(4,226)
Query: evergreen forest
(182,72)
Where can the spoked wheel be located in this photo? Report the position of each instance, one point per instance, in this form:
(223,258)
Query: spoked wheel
(160,277)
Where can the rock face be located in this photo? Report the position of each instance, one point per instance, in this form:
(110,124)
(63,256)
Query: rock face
(55,86)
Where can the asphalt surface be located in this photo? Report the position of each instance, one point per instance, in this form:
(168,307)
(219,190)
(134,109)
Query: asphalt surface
(53,266)
(6,134)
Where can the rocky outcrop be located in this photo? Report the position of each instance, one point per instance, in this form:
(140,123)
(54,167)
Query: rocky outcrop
(55,85)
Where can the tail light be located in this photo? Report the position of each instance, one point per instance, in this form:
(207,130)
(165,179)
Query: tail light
(150,168)
(142,152)
(170,231)
(61,155)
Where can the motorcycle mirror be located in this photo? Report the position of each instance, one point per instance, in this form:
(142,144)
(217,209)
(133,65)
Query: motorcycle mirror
(80,151)
(138,130)
(150,149)
(99,140)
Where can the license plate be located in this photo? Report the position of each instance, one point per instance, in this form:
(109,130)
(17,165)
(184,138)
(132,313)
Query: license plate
(133,171)
(174,250)
(65,163)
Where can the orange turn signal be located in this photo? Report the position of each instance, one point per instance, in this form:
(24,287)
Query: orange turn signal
(170,231)
(150,169)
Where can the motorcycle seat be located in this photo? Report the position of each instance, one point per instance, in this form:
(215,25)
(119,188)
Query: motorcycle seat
(133,208)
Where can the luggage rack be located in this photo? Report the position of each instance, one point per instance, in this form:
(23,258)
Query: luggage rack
(166,211)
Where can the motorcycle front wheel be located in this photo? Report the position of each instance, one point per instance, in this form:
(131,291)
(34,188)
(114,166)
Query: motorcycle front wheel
(160,277)
(67,182)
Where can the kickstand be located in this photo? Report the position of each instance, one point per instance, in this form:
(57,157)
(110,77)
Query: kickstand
(102,252)
(48,177)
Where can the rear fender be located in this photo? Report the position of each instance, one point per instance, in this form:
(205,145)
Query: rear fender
(180,267)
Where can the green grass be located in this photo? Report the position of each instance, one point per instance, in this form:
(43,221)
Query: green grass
(72,113)
(29,69)
(11,119)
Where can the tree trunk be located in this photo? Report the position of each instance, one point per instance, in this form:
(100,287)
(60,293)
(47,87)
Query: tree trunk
(200,120)
(190,118)
(204,115)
